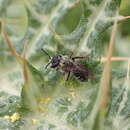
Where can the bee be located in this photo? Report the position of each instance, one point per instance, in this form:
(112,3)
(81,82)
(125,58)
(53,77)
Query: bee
(68,65)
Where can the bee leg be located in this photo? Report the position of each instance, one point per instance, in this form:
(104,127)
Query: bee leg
(78,57)
(67,75)
(71,55)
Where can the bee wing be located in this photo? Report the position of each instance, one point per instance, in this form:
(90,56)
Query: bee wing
(82,72)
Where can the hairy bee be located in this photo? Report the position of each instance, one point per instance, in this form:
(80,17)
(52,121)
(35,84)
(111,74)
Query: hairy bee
(68,65)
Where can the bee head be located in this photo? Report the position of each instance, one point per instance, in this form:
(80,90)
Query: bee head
(55,61)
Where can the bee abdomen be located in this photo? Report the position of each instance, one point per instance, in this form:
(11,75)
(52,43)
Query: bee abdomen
(81,76)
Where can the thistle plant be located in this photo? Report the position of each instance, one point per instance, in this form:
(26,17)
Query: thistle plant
(35,98)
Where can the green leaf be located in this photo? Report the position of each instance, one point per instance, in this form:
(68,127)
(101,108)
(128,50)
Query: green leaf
(16,20)
(48,101)
(33,91)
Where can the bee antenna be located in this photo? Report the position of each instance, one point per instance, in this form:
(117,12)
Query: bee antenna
(46,53)
(47,65)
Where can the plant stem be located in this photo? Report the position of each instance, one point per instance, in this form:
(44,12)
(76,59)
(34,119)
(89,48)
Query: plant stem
(104,59)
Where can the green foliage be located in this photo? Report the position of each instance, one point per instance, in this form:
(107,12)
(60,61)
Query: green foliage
(43,126)
(77,117)
(63,104)
(6,124)
(8,103)
(32,91)
(47,101)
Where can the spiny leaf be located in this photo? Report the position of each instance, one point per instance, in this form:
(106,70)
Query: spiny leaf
(15,20)
(60,27)
(32,92)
